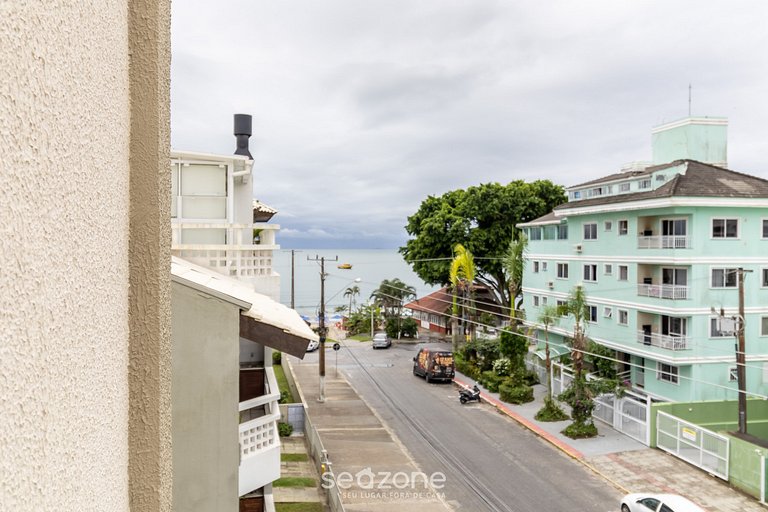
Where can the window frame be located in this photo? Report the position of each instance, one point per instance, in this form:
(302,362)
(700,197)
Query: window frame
(607,225)
(593,271)
(608,269)
(625,312)
(535,267)
(607,312)
(562,265)
(584,230)
(668,376)
(764,324)
(535,301)
(626,277)
(544,265)
(764,228)
(716,334)
(592,317)
(725,228)
(763,277)
(725,278)
(626,227)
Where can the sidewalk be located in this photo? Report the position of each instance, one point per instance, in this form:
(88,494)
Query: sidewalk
(357,441)
(627,464)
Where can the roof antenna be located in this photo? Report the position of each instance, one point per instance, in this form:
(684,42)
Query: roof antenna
(689,99)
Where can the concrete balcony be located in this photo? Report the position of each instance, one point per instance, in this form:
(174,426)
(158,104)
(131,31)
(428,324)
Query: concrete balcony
(259,438)
(231,250)
(665,341)
(663,291)
(663,242)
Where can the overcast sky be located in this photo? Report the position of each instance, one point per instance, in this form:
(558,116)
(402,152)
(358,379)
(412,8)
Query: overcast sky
(363,108)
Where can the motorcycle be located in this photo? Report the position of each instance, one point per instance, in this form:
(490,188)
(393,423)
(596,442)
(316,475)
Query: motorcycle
(466,395)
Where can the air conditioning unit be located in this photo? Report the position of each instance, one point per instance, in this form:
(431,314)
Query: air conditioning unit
(550,284)
(577,247)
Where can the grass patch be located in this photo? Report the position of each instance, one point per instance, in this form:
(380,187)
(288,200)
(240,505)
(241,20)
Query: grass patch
(294,457)
(299,507)
(295,481)
(282,383)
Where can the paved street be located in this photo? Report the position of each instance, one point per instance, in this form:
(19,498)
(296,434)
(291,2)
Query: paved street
(490,462)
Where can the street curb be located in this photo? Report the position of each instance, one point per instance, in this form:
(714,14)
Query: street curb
(557,443)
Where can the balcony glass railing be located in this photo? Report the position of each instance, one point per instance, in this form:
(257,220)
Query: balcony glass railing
(665,341)
(664,242)
(663,291)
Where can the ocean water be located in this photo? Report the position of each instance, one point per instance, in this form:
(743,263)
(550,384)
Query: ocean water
(371,266)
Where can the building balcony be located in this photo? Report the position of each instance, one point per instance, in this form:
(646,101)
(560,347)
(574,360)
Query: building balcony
(242,251)
(663,242)
(258,434)
(663,291)
(665,341)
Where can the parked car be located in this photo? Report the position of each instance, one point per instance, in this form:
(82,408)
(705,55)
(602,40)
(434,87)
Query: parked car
(313,345)
(434,364)
(658,503)
(381,340)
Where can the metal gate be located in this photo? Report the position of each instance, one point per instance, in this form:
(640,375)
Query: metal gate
(628,414)
(561,378)
(698,446)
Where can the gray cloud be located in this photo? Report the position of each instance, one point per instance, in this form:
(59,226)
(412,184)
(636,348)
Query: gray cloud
(362,109)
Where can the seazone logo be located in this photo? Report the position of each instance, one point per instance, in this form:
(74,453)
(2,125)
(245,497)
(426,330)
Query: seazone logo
(367,479)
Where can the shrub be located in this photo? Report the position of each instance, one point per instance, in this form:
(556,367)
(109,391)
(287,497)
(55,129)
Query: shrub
(512,394)
(580,430)
(466,367)
(277,357)
(392,328)
(551,411)
(502,366)
(490,380)
(284,429)
(409,327)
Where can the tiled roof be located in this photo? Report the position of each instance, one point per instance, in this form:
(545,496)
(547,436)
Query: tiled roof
(614,177)
(549,218)
(699,180)
(436,302)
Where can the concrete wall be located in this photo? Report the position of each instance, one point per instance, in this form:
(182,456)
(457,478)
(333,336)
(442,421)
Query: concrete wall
(83,129)
(205,331)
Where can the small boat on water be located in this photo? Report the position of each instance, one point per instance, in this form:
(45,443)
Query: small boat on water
(345,266)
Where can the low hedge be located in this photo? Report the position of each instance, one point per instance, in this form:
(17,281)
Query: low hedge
(515,394)
(490,381)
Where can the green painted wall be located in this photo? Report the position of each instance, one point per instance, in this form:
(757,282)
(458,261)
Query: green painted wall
(744,471)
(702,142)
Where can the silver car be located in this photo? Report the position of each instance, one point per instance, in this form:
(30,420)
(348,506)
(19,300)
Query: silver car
(381,340)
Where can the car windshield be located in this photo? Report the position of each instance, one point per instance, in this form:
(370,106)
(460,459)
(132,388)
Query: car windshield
(380,336)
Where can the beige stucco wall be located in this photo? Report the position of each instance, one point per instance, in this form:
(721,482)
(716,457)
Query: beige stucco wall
(67,138)
(205,333)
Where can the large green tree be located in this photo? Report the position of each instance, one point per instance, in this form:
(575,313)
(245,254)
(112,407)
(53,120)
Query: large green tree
(483,220)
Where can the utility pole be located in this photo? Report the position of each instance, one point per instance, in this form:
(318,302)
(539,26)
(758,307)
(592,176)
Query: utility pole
(321,327)
(293,279)
(741,368)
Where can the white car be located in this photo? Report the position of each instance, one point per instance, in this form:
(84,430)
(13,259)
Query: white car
(640,502)
(313,345)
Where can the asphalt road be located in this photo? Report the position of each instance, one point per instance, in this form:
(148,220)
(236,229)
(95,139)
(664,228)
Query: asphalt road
(490,462)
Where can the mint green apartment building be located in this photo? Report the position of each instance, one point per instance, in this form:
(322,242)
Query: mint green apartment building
(656,247)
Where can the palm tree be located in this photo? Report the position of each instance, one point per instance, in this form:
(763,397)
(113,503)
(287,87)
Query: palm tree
(514,263)
(351,292)
(579,395)
(462,275)
(548,315)
(391,295)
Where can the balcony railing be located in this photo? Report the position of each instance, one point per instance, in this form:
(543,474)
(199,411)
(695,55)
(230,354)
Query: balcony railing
(259,439)
(228,249)
(663,242)
(663,291)
(665,341)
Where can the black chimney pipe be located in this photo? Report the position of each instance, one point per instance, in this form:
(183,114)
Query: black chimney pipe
(243,123)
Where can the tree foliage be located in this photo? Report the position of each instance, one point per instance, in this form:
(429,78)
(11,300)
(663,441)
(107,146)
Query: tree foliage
(483,220)
(391,295)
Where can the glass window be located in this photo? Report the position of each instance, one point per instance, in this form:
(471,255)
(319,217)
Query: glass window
(623,227)
(724,277)
(543,301)
(608,312)
(535,267)
(562,270)
(765,228)
(592,313)
(561,307)
(608,269)
(714,329)
(623,317)
(644,184)
(733,374)
(562,232)
(623,187)
(725,228)
(590,231)
(577,194)
(590,272)
(623,273)
(536,300)
(764,274)
(764,326)
(535,234)
(543,266)
(667,372)
(608,225)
